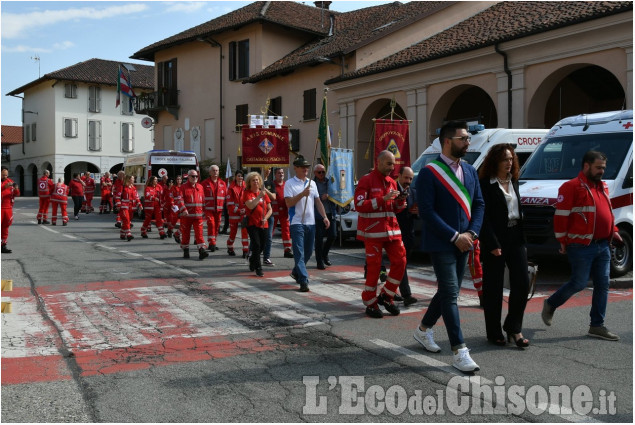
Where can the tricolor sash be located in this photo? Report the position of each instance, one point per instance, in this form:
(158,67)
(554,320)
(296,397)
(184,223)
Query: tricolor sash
(449,180)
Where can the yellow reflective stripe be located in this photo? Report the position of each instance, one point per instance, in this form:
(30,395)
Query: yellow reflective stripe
(563,212)
(373,202)
(583,209)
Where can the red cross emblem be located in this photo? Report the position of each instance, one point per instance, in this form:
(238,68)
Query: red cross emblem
(627,125)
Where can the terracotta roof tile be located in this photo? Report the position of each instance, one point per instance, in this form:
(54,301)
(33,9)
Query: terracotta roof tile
(352,30)
(96,71)
(285,13)
(494,26)
(11,134)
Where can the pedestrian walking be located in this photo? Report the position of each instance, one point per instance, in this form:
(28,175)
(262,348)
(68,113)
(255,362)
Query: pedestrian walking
(44,188)
(10,191)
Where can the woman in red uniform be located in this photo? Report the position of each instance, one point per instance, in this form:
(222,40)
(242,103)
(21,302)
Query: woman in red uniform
(258,210)
(129,201)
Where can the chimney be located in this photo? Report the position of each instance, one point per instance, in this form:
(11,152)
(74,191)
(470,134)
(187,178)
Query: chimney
(323,4)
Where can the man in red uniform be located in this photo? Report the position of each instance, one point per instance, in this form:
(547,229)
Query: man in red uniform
(44,188)
(281,212)
(59,197)
(376,201)
(129,201)
(117,188)
(105,184)
(9,191)
(215,192)
(89,193)
(585,227)
(236,210)
(191,208)
(152,206)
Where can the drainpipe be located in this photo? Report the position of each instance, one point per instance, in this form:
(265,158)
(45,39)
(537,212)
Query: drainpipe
(23,141)
(509,84)
(215,43)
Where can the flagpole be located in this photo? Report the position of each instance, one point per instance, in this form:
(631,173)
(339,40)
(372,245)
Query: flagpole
(317,142)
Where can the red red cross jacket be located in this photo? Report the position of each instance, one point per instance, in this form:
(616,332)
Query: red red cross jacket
(192,200)
(215,193)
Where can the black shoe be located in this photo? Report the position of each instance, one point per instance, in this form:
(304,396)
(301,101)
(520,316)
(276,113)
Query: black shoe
(321,267)
(64,224)
(327,262)
(245,254)
(54,224)
(169,233)
(397,298)
(46,222)
(288,254)
(231,252)
(117,224)
(373,312)
(520,342)
(212,248)
(131,225)
(177,238)
(267,262)
(389,306)
(261,274)
(162,236)
(294,276)
(5,250)
(409,301)
(365,270)
(129,237)
(202,254)
(39,222)
(500,341)
(123,237)
(186,253)
(304,287)
(144,236)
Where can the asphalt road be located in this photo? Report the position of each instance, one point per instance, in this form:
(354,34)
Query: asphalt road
(104,330)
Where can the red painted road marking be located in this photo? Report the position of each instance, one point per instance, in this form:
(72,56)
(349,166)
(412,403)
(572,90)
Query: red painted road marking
(113,327)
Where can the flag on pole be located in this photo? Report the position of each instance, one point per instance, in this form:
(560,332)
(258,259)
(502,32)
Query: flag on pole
(228,169)
(123,86)
(324,135)
(341,186)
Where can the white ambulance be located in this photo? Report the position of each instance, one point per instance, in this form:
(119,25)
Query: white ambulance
(525,142)
(158,163)
(558,159)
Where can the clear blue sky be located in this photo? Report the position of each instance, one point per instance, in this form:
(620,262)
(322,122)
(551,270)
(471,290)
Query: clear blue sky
(64,33)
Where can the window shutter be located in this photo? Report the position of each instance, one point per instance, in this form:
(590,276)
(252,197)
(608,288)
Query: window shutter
(94,135)
(33,128)
(243,59)
(27,133)
(232,61)
(127,137)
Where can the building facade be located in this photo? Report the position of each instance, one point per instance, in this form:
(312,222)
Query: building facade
(505,64)
(71,123)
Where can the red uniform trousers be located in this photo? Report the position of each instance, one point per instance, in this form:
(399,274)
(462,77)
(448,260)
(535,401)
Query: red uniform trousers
(233,229)
(476,269)
(284,229)
(152,213)
(125,214)
(43,211)
(63,206)
(87,206)
(7,220)
(213,224)
(187,223)
(397,257)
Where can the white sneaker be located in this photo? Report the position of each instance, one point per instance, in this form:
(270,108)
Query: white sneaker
(463,361)
(427,340)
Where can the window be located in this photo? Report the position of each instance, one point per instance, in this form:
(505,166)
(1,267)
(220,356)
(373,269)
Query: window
(241,116)
(70,91)
(127,137)
(238,60)
(167,83)
(94,135)
(70,127)
(94,99)
(310,101)
(33,129)
(127,106)
(275,106)
(27,133)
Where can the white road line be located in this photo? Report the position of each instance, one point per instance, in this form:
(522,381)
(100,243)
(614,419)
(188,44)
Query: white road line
(178,269)
(155,261)
(70,236)
(105,246)
(464,381)
(134,254)
(50,230)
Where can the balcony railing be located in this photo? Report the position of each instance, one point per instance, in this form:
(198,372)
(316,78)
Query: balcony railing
(154,102)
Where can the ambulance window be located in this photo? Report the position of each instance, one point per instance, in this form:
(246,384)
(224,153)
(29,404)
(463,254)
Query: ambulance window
(628,179)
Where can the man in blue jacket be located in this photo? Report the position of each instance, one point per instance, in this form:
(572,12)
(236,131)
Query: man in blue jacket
(451,207)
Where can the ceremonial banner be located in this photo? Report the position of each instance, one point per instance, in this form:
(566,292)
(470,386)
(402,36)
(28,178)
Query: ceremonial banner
(340,176)
(265,147)
(324,135)
(392,135)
